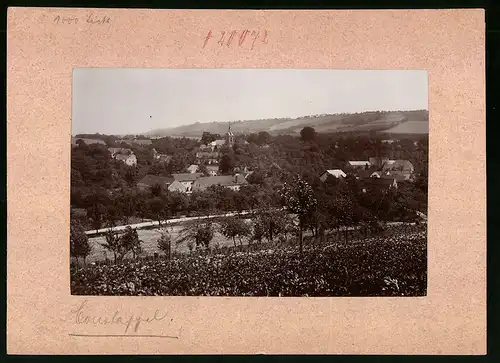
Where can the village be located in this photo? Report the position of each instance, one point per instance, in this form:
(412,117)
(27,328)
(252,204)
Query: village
(377,172)
(307,183)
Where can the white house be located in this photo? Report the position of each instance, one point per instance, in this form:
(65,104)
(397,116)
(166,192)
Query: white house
(130,160)
(192,168)
(337,173)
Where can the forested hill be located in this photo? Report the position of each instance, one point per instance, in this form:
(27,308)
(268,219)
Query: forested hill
(366,121)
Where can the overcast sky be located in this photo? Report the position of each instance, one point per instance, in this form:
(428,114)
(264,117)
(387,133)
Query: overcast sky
(132,101)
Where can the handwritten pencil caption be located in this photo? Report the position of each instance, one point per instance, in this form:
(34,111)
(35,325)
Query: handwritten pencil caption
(244,38)
(90,19)
(130,323)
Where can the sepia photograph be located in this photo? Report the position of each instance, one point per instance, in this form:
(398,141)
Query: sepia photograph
(249,182)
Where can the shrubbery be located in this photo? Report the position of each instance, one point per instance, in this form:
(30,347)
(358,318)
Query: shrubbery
(377,266)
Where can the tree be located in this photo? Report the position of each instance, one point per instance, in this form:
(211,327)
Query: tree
(226,165)
(131,175)
(121,244)
(299,199)
(263,138)
(97,213)
(158,209)
(115,245)
(79,241)
(199,233)
(164,244)
(308,134)
(131,242)
(234,227)
(208,137)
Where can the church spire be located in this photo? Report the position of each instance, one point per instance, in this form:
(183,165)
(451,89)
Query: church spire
(229,136)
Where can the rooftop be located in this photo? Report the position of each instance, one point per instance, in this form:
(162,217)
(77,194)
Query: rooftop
(151,180)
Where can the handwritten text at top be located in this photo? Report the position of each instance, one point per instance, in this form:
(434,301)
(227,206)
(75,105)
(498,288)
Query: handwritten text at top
(90,19)
(243,38)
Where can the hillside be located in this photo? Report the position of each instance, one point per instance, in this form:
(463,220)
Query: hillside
(366,121)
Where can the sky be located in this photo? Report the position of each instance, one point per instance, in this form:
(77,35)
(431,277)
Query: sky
(133,101)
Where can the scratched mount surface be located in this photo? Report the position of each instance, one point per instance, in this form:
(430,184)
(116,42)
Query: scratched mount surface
(400,121)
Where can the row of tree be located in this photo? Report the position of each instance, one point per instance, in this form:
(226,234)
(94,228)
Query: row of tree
(338,205)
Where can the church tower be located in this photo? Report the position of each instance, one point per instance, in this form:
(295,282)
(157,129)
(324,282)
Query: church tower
(230,137)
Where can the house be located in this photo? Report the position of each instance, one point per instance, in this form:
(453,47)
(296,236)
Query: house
(130,160)
(381,184)
(378,162)
(207,157)
(212,170)
(192,168)
(356,165)
(217,144)
(177,186)
(398,175)
(74,141)
(233,182)
(404,167)
(119,150)
(187,179)
(161,158)
(337,173)
(149,181)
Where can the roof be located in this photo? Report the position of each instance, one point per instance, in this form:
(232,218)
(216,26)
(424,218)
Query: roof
(193,167)
(398,164)
(207,154)
(336,173)
(212,167)
(164,157)
(398,175)
(177,186)
(121,150)
(183,177)
(123,157)
(218,142)
(224,180)
(377,182)
(359,163)
(151,180)
(364,174)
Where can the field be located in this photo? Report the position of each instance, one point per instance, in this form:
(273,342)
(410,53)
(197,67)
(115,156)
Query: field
(394,265)
(410,127)
(150,237)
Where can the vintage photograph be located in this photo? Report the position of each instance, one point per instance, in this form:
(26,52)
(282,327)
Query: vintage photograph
(249,182)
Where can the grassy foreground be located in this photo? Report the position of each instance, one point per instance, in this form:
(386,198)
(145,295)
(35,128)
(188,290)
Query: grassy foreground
(377,266)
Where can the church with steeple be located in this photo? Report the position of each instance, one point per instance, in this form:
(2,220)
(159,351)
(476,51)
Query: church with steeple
(229,137)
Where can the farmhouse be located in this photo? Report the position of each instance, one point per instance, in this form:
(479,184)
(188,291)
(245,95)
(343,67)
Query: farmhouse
(228,181)
(187,179)
(130,160)
(150,181)
(177,186)
(337,173)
